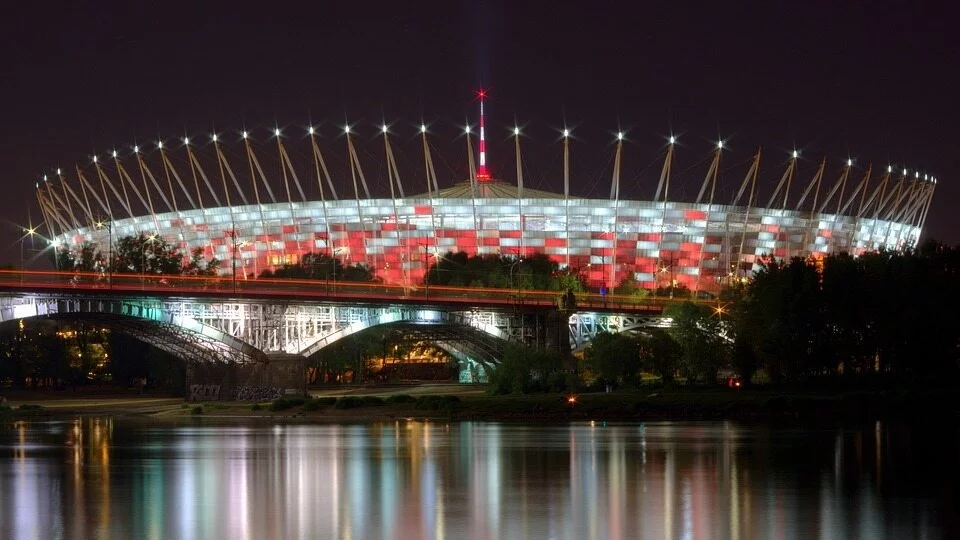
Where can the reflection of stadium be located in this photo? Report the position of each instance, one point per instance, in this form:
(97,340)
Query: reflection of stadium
(255,216)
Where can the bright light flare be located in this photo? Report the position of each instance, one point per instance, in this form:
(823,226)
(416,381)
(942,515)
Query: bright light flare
(310,130)
(720,145)
(572,400)
(276,133)
(244,134)
(423,128)
(516,131)
(566,133)
(214,137)
(619,135)
(796,154)
(384,127)
(346,129)
(673,140)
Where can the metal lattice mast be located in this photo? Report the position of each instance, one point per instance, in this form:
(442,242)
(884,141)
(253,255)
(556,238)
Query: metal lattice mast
(284,162)
(319,165)
(516,144)
(711,180)
(85,208)
(473,178)
(394,175)
(145,173)
(66,201)
(86,198)
(615,195)
(225,166)
(88,188)
(664,185)
(752,175)
(146,188)
(354,164)
(432,187)
(566,192)
(256,193)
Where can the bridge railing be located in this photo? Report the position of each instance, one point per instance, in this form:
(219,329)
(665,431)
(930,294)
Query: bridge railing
(157,284)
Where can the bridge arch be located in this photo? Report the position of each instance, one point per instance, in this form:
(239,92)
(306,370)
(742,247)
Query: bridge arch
(142,318)
(476,337)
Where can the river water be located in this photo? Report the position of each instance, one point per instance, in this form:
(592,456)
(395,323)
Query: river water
(125,479)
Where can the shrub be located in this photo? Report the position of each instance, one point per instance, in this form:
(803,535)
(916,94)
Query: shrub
(255,407)
(296,401)
(280,404)
(435,403)
(401,398)
(29,407)
(196,410)
(372,400)
(348,402)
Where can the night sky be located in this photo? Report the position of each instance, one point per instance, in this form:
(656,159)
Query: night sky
(832,79)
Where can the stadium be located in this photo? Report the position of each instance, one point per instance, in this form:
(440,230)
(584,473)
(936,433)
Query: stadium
(256,207)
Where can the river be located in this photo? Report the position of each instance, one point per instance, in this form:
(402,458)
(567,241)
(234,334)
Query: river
(124,478)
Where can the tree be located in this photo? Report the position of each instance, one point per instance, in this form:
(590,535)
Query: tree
(660,355)
(82,258)
(150,255)
(614,359)
(630,289)
(320,266)
(699,335)
(199,266)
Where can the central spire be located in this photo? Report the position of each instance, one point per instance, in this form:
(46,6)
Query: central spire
(482,174)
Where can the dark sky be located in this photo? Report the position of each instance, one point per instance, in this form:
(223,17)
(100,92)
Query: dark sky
(859,78)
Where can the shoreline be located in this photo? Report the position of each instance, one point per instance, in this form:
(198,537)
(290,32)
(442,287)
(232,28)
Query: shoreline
(472,405)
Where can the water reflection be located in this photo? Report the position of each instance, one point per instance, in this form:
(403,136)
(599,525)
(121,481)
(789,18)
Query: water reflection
(103,478)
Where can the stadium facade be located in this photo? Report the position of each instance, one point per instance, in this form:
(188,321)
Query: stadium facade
(212,197)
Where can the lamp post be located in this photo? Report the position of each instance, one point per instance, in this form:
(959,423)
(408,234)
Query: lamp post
(143,259)
(27,231)
(426,271)
(512,266)
(109,226)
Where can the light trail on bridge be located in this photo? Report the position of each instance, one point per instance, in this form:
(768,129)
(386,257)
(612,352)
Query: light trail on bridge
(72,283)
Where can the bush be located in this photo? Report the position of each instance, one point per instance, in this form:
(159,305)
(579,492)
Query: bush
(281,404)
(296,401)
(196,410)
(29,407)
(372,401)
(436,403)
(348,402)
(401,398)
(317,403)
(255,407)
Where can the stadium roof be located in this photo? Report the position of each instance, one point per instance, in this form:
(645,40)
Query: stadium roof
(494,189)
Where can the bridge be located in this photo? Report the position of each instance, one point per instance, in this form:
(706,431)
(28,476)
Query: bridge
(217,319)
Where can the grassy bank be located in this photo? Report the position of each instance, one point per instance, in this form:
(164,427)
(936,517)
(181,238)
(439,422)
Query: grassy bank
(753,405)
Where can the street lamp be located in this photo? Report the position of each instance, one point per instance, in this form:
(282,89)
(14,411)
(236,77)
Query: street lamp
(143,258)
(109,226)
(512,266)
(27,231)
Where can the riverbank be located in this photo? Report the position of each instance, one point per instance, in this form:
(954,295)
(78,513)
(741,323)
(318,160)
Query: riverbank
(453,403)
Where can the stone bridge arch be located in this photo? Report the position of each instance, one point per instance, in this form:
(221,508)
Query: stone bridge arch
(142,318)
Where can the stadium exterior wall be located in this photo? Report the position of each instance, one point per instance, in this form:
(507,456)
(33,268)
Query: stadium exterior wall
(700,246)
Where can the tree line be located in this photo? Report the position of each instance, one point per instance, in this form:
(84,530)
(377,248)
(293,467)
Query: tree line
(135,254)
(885,318)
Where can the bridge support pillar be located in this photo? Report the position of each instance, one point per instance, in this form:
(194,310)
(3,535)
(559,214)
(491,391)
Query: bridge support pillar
(282,375)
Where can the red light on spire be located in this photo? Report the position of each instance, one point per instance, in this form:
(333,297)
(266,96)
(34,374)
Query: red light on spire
(482,174)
